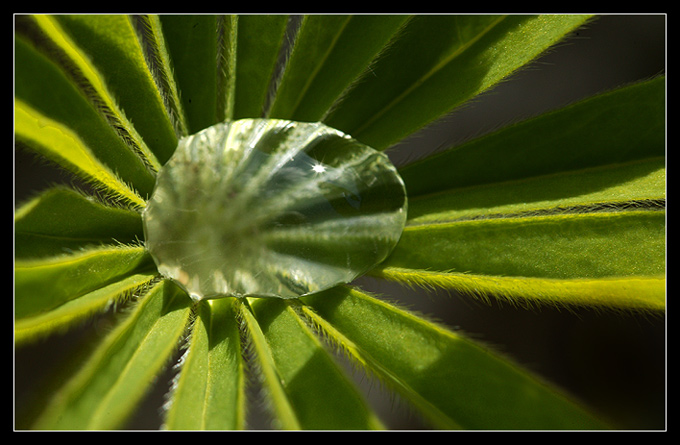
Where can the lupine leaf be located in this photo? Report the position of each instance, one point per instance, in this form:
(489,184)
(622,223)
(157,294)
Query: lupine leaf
(260,38)
(638,292)
(104,391)
(225,65)
(131,52)
(59,144)
(71,312)
(622,125)
(202,50)
(588,247)
(46,283)
(42,86)
(277,398)
(330,53)
(209,392)
(152,41)
(634,184)
(441,62)
(61,220)
(47,36)
(318,392)
(455,383)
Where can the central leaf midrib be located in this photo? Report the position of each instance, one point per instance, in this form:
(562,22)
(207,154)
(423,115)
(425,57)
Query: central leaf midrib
(581,209)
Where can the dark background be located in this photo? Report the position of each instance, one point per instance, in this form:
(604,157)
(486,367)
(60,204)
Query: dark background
(615,362)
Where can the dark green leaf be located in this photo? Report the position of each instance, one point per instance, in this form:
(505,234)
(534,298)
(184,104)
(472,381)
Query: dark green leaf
(330,53)
(320,395)
(455,383)
(440,62)
(260,38)
(624,125)
(202,50)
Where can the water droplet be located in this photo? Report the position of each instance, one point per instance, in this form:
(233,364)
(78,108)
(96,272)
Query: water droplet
(272,208)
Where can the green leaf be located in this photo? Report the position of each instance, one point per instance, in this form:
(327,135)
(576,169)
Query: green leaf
(620,126)
(202,51)
(317,391)
(574,256)
(43,87)
(455,383)
(152,41)
(49,38)
(44,284)
(104,391)
(330,53)
(59,144)
(61,219)
(643,293)
(440,62)
(590,245)
(260,38)
(573,199)
(266,367)
(209,392)
(64,316)
(131,51)
(635,184)
(225,65)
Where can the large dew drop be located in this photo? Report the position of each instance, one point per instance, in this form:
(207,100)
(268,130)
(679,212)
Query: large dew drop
(272,208)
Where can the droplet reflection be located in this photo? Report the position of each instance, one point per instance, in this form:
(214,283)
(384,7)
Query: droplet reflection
(272,208)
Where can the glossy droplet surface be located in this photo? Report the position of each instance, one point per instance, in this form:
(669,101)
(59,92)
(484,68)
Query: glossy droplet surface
(272,208)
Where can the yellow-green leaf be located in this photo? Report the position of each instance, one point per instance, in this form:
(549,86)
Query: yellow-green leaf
(131,51)
(609,258)
(59,144)
(47,36)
